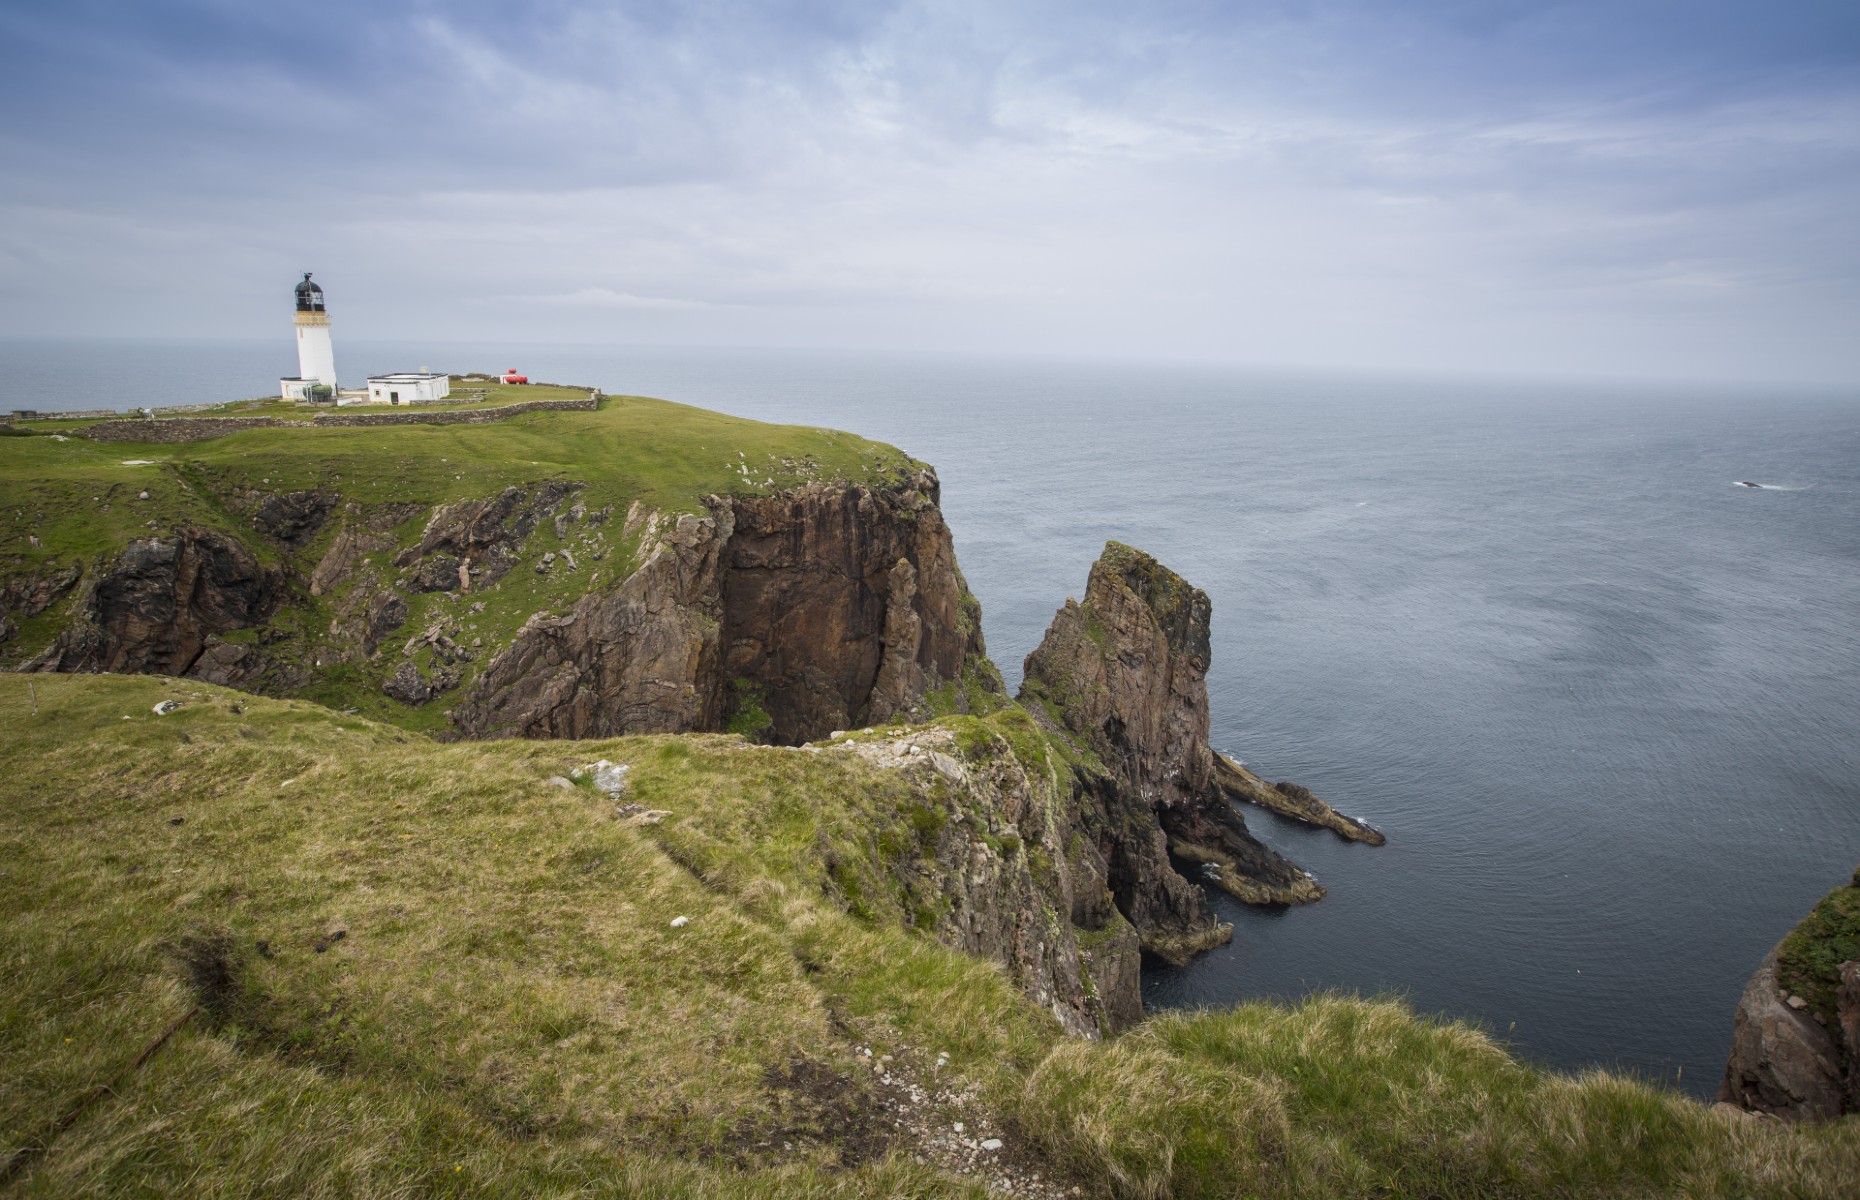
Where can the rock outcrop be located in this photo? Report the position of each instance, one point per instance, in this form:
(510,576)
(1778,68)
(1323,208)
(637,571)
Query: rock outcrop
(826,607)
(984,868)
(1290,800)
(1123,674)
(1795,1046)
(477,542)
(1782,1062)
(159,606)
(24,598)
(292,517)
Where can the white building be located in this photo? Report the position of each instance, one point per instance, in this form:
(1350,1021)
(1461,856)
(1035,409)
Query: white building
(408,387)
(316,357)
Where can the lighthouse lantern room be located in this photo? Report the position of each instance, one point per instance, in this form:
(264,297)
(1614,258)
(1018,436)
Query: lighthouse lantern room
(316,358)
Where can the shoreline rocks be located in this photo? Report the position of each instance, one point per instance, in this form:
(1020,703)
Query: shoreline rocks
(1291,800)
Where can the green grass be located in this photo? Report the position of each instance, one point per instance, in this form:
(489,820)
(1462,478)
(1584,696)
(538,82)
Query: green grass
(511,1013)
(493,394)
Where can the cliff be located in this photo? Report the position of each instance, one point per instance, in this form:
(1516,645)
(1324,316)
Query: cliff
(822,608)
(1795,1046)
(1122,676)
(778,582)
(473,595)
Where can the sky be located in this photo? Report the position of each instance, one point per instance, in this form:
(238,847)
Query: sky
(1658,188)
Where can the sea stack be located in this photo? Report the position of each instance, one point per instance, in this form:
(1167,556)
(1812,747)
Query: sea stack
(1123,675)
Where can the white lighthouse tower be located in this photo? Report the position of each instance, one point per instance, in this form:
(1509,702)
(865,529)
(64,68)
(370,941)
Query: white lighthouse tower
(316,358)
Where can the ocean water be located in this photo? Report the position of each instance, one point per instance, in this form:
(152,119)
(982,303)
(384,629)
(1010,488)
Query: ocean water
(1605,704)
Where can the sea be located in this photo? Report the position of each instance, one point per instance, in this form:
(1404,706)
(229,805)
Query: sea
(1604,701)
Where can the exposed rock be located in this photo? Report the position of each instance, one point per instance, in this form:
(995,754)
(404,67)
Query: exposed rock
(408,686)
(483,534)
(153,609)
(901,679)
(363,532)
(1290,800)
(1124,674)
(293,517)
(984,868)
(639,658)
(798,596)
(228,664)
(1795,1051)
(1782,1062)
(608,777)
(23,598)
(387,611)
(810,588)
(438,574)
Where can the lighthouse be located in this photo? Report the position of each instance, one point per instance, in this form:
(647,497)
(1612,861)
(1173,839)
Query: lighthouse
(316,358)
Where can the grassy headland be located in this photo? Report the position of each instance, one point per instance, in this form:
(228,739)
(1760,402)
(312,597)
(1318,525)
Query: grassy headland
(67,500)
(422,969)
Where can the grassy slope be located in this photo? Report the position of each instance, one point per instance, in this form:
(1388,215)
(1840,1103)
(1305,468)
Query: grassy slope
(81,503)
(511,1012)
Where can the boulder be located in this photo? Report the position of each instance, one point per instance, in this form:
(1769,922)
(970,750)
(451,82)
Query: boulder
(1782,1061)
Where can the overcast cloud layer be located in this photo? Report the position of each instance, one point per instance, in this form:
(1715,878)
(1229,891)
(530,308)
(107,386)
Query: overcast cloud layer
(1638,187)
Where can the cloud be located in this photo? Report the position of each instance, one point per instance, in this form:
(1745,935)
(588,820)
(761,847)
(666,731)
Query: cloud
(1493,184)
(599,297)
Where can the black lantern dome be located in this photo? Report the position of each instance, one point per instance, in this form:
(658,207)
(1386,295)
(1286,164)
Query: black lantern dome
(309,296)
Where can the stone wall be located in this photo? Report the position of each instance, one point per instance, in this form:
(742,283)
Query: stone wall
(178,429)
(470,416)
(196,429)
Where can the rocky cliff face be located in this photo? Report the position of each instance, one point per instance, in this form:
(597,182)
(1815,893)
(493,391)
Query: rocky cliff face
(790,616)
(989,869)
(1124,676)
(158,608)
(786,616)
(1795,1046)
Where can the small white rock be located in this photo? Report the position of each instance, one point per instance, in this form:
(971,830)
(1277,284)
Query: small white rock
(558,782)
(680,922)
(992,1144)
(166,707)
(958,1127)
